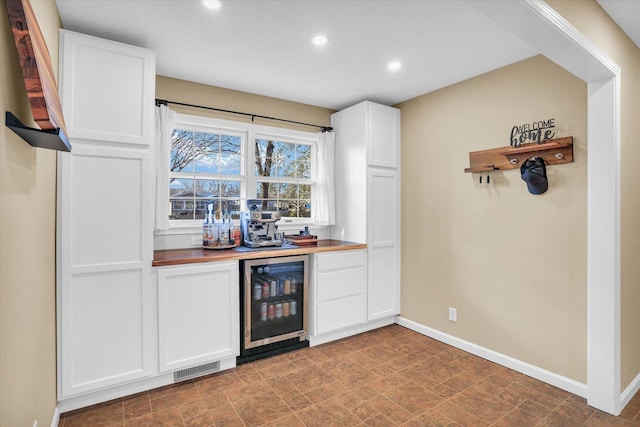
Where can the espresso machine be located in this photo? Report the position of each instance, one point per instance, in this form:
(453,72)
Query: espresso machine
(259,229)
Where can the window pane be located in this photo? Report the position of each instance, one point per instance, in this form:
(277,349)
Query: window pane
(207,188)
(298,170)
(288,191)
(178,187)
(181,208)
(181,151)
(264,152)
(205,153)
(288,208)
(286,151)
(230,144)
(232,206)
(303,153)
(305,191)
(305,209)
(266,190)
(230,164)
(272,205)
(230,188)
(201,208)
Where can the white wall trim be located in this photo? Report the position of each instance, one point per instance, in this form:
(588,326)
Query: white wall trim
(55,420)
(630,391)
(542,27)
(572,386)
(137,386)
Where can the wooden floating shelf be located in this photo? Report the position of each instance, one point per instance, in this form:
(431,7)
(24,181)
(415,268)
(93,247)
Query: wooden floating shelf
(554,152)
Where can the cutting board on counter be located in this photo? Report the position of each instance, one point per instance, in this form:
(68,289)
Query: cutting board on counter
(301,240)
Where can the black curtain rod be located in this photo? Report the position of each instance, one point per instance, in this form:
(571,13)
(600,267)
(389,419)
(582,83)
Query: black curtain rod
(253,116)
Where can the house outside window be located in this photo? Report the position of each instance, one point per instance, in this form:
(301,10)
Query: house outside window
(229,163)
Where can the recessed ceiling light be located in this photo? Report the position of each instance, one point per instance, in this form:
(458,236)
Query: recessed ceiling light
(212,4)
(394,65)
(319,40)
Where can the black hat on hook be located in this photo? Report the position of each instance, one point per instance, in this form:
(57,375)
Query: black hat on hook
(534,172)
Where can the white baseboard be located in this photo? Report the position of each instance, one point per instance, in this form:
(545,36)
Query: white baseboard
(347,332)
(536,372)
(629,392)
(55,420)
(99,396)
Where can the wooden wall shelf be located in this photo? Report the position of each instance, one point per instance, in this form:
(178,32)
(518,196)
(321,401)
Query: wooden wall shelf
(39,80)
(554,152)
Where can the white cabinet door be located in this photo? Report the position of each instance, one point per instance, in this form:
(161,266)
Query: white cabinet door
(384,243)
(108,89)
(339,291)
(198,314)
(384,135)
(104,267)
(105,330)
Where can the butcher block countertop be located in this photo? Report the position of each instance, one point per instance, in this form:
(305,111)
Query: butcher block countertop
(196,255)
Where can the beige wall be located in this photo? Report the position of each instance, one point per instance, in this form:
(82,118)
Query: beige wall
(27,246)
(226,99)
(512,263)
(590,19)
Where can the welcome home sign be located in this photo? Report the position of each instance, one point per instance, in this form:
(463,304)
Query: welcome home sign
(540,131)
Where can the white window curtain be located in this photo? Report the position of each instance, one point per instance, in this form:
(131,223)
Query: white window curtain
(323,205)
(165,120)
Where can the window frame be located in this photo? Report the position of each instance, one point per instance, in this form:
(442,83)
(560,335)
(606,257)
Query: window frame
(249,133)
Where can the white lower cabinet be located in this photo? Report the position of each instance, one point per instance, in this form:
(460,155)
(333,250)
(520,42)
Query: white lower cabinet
(105,331)
(339,291)
(198,314)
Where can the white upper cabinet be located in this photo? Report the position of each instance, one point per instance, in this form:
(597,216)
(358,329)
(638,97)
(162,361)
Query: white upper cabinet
(383,127)
(107,88)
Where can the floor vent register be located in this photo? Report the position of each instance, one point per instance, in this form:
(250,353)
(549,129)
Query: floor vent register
(196,371)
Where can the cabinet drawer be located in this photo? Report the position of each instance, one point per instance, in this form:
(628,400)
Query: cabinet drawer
(338,314)
(340,259)
(341,283)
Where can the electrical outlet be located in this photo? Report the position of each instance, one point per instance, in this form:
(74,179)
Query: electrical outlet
(453,314)
(196,240)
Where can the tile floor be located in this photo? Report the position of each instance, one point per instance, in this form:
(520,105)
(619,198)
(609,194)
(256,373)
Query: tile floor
(388,377)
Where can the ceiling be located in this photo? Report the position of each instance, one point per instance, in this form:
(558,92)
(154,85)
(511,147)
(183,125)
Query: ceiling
(626,13)
(264,47)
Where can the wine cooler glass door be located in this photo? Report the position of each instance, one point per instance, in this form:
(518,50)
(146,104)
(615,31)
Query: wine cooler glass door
(275,300)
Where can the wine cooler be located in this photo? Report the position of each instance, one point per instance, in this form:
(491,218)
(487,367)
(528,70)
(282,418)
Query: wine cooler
(273,306)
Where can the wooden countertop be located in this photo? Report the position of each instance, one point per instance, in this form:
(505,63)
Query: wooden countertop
(196,255)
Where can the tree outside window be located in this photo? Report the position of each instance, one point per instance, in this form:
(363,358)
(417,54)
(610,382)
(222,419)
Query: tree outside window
(283,171)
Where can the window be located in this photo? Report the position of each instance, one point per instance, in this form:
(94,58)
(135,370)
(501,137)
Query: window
(283,177)
(205,167)
(231,163)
